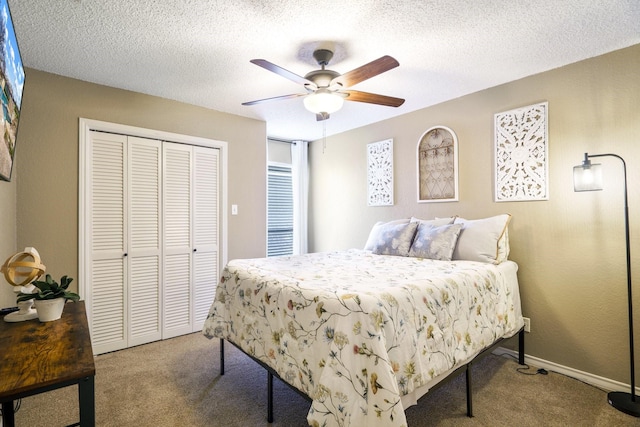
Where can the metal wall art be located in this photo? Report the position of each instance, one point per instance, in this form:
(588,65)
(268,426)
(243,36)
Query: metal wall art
(438,165)
(521,154)
(380,173)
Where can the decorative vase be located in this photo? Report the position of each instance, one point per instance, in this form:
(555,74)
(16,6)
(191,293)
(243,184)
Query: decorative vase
(50,309)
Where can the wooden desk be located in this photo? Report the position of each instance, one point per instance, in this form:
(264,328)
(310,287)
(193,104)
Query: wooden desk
(36,357)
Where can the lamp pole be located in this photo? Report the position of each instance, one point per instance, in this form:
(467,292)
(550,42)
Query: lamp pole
(622,401)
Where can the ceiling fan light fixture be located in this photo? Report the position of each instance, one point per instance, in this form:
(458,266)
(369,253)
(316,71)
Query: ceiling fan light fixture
(326,88)
(323,101)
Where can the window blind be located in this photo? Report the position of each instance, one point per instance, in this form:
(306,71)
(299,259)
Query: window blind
(279,211)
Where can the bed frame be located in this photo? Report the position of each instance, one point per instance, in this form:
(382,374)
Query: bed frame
(466,367)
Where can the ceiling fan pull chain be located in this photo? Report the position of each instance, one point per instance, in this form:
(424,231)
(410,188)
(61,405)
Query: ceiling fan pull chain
(324,136)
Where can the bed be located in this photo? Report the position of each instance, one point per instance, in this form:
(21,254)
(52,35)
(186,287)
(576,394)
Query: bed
(365,333)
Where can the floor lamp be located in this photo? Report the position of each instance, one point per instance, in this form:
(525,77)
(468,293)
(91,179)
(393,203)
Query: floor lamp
(588,177)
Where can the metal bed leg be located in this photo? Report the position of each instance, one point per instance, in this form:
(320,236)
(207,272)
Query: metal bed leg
(469,392)
(221,356)
(521,346)
(269,397)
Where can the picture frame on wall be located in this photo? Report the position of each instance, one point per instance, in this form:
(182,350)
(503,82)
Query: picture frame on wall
(521,154)
(11,85)
(437,164)
(380,173)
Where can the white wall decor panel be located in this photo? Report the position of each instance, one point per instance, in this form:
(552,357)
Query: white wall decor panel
(522,154)
(380,173)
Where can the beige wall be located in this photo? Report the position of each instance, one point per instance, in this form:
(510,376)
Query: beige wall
(7,232)
(570,249)
(47,165)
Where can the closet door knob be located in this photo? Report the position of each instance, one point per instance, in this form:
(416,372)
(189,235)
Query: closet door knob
(194,249)
(125,254)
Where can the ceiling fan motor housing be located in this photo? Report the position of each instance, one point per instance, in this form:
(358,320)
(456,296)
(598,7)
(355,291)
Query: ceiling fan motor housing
(323,56)
(322,78)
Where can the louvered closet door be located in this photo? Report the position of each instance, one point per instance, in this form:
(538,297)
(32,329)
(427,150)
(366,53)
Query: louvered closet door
(106,307)
(144,249)
(206,253)
(178,245)
(150,238)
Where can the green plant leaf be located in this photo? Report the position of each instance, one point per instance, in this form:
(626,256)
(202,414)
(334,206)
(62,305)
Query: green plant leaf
(65,281)
(72,296)
(50,289)
(24,297)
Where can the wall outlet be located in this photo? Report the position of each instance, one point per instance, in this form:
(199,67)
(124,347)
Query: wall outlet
(527,324)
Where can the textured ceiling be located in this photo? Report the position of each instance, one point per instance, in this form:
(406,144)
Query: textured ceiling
(198,51)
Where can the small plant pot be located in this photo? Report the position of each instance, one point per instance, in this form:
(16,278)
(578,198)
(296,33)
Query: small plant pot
(50,309)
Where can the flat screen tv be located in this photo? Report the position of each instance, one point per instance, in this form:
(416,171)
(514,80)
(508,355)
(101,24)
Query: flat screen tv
(11,85)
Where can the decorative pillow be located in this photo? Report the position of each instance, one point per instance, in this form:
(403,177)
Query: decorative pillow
(375,231)
(435,222)
(435,242)
(393,239)
(484,240)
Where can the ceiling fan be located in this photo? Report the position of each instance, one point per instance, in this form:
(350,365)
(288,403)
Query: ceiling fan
(327,89)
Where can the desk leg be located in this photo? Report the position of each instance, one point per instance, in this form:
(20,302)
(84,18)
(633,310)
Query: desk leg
(86,397)
(8,419)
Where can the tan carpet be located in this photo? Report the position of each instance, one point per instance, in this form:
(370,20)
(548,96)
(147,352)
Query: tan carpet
(177,383)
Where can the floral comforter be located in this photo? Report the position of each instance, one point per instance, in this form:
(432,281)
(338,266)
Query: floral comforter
(356,331)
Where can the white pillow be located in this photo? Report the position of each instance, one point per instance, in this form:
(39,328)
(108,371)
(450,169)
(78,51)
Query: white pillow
(503,247)
(394,239)
(484,240)
(435,242)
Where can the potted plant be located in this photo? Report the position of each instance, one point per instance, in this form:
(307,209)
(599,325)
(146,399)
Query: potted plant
(50,297)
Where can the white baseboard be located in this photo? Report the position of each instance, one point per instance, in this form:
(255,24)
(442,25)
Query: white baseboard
(594,380)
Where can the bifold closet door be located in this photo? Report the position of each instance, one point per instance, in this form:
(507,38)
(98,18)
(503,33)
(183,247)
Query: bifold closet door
(125,241)
(191,235)
(206,255)
(144,214)
(178,244)
(106,222)
(151,231)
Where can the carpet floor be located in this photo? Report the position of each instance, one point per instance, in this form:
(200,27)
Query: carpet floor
(177,382)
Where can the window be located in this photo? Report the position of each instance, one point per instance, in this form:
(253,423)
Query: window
(287,197)
(279,210)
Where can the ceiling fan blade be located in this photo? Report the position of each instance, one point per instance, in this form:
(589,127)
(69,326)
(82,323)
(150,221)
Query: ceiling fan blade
(372,98)
(284,73)
(275,98)
(367,71)
(322,116)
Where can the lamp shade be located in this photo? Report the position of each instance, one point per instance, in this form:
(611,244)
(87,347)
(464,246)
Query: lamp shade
(323,101)
(587,177)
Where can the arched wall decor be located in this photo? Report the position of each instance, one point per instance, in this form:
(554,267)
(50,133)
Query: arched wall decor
(521,154)
(437,163)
